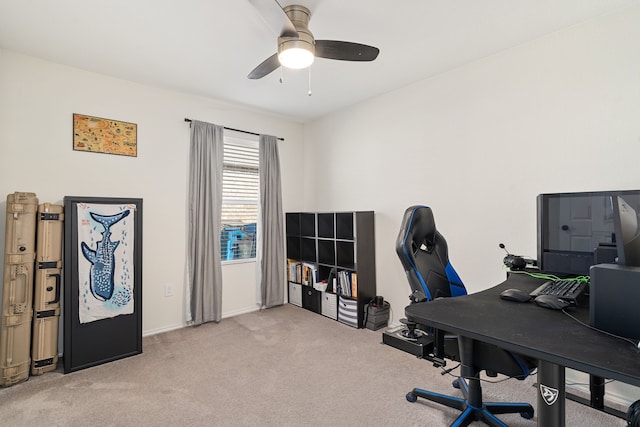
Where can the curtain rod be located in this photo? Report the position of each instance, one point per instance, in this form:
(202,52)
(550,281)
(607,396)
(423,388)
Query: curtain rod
(238,130)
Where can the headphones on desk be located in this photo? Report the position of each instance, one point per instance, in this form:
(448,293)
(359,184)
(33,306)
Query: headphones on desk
(514,262)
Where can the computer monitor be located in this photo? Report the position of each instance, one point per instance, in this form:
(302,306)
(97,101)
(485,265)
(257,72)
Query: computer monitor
(573,227)
(625,223)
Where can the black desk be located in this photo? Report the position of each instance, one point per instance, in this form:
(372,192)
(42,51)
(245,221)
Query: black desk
(550,336)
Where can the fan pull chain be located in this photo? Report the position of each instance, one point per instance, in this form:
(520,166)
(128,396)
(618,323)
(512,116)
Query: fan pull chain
(309,93)
(281,75)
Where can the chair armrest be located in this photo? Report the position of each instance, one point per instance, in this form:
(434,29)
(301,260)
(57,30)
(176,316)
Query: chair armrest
(417,296)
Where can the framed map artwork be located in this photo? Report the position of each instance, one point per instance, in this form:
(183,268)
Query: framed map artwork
(107,136)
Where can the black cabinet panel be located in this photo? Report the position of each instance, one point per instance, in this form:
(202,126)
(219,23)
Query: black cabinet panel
(308,224)
(293,224)
(344,225)
(326,252)
(345,257)
(308,250)
(326,225)
(293,247)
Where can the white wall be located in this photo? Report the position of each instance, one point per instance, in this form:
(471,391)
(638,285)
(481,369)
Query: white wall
(37,100)
(479,143)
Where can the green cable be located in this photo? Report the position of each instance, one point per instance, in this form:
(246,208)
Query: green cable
(584,279)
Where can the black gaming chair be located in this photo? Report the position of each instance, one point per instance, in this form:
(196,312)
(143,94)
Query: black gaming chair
(424,256)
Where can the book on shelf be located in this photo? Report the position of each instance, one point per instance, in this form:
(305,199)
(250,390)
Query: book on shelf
(294,271)
(354,284)
(309,274)
(344,283)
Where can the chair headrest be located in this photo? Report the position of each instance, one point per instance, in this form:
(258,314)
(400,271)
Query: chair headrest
(419,227)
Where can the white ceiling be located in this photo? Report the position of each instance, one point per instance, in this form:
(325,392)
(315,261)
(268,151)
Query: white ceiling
(207,47)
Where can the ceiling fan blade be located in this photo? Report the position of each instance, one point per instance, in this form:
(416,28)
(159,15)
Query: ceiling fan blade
(345,51)
(267,66)
(274,16)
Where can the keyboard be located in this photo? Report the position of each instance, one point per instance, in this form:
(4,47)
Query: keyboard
(567,289)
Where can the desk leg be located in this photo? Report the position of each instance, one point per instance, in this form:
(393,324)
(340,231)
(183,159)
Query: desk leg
(596,386)
(551,395)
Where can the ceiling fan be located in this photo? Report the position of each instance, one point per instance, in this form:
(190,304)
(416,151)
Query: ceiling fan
(297,47)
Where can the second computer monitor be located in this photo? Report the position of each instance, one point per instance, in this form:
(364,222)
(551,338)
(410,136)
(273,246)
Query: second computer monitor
(627,234)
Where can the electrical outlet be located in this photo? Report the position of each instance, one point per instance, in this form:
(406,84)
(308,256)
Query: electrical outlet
(168,290)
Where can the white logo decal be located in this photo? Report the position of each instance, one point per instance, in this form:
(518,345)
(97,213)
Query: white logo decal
(549,395)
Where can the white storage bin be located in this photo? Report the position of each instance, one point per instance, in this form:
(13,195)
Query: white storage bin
(295,294)
(329,304)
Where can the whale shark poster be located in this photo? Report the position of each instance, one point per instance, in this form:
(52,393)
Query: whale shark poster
(105,260)
(102,280)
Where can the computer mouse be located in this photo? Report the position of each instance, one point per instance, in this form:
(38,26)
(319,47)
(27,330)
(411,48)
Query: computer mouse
(551,301)
(515,295)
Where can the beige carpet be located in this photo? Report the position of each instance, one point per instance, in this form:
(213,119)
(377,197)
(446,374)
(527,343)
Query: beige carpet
(279,367)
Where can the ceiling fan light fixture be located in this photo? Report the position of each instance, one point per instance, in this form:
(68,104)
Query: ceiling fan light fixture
(297,52)
(296,58)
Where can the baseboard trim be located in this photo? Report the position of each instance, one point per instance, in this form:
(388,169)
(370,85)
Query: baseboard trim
(610,397)
(162,330)
(241,311)
(183,325)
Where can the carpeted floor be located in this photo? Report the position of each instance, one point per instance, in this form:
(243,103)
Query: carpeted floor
(279,367)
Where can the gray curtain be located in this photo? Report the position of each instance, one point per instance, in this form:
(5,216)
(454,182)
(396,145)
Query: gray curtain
(271,216)
(204,268)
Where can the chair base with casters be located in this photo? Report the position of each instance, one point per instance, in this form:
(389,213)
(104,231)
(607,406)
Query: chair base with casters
(471,405)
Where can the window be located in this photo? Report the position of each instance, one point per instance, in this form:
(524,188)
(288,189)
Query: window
(240,194)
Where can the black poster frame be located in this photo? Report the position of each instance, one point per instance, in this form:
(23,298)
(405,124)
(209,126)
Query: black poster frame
(105,340)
